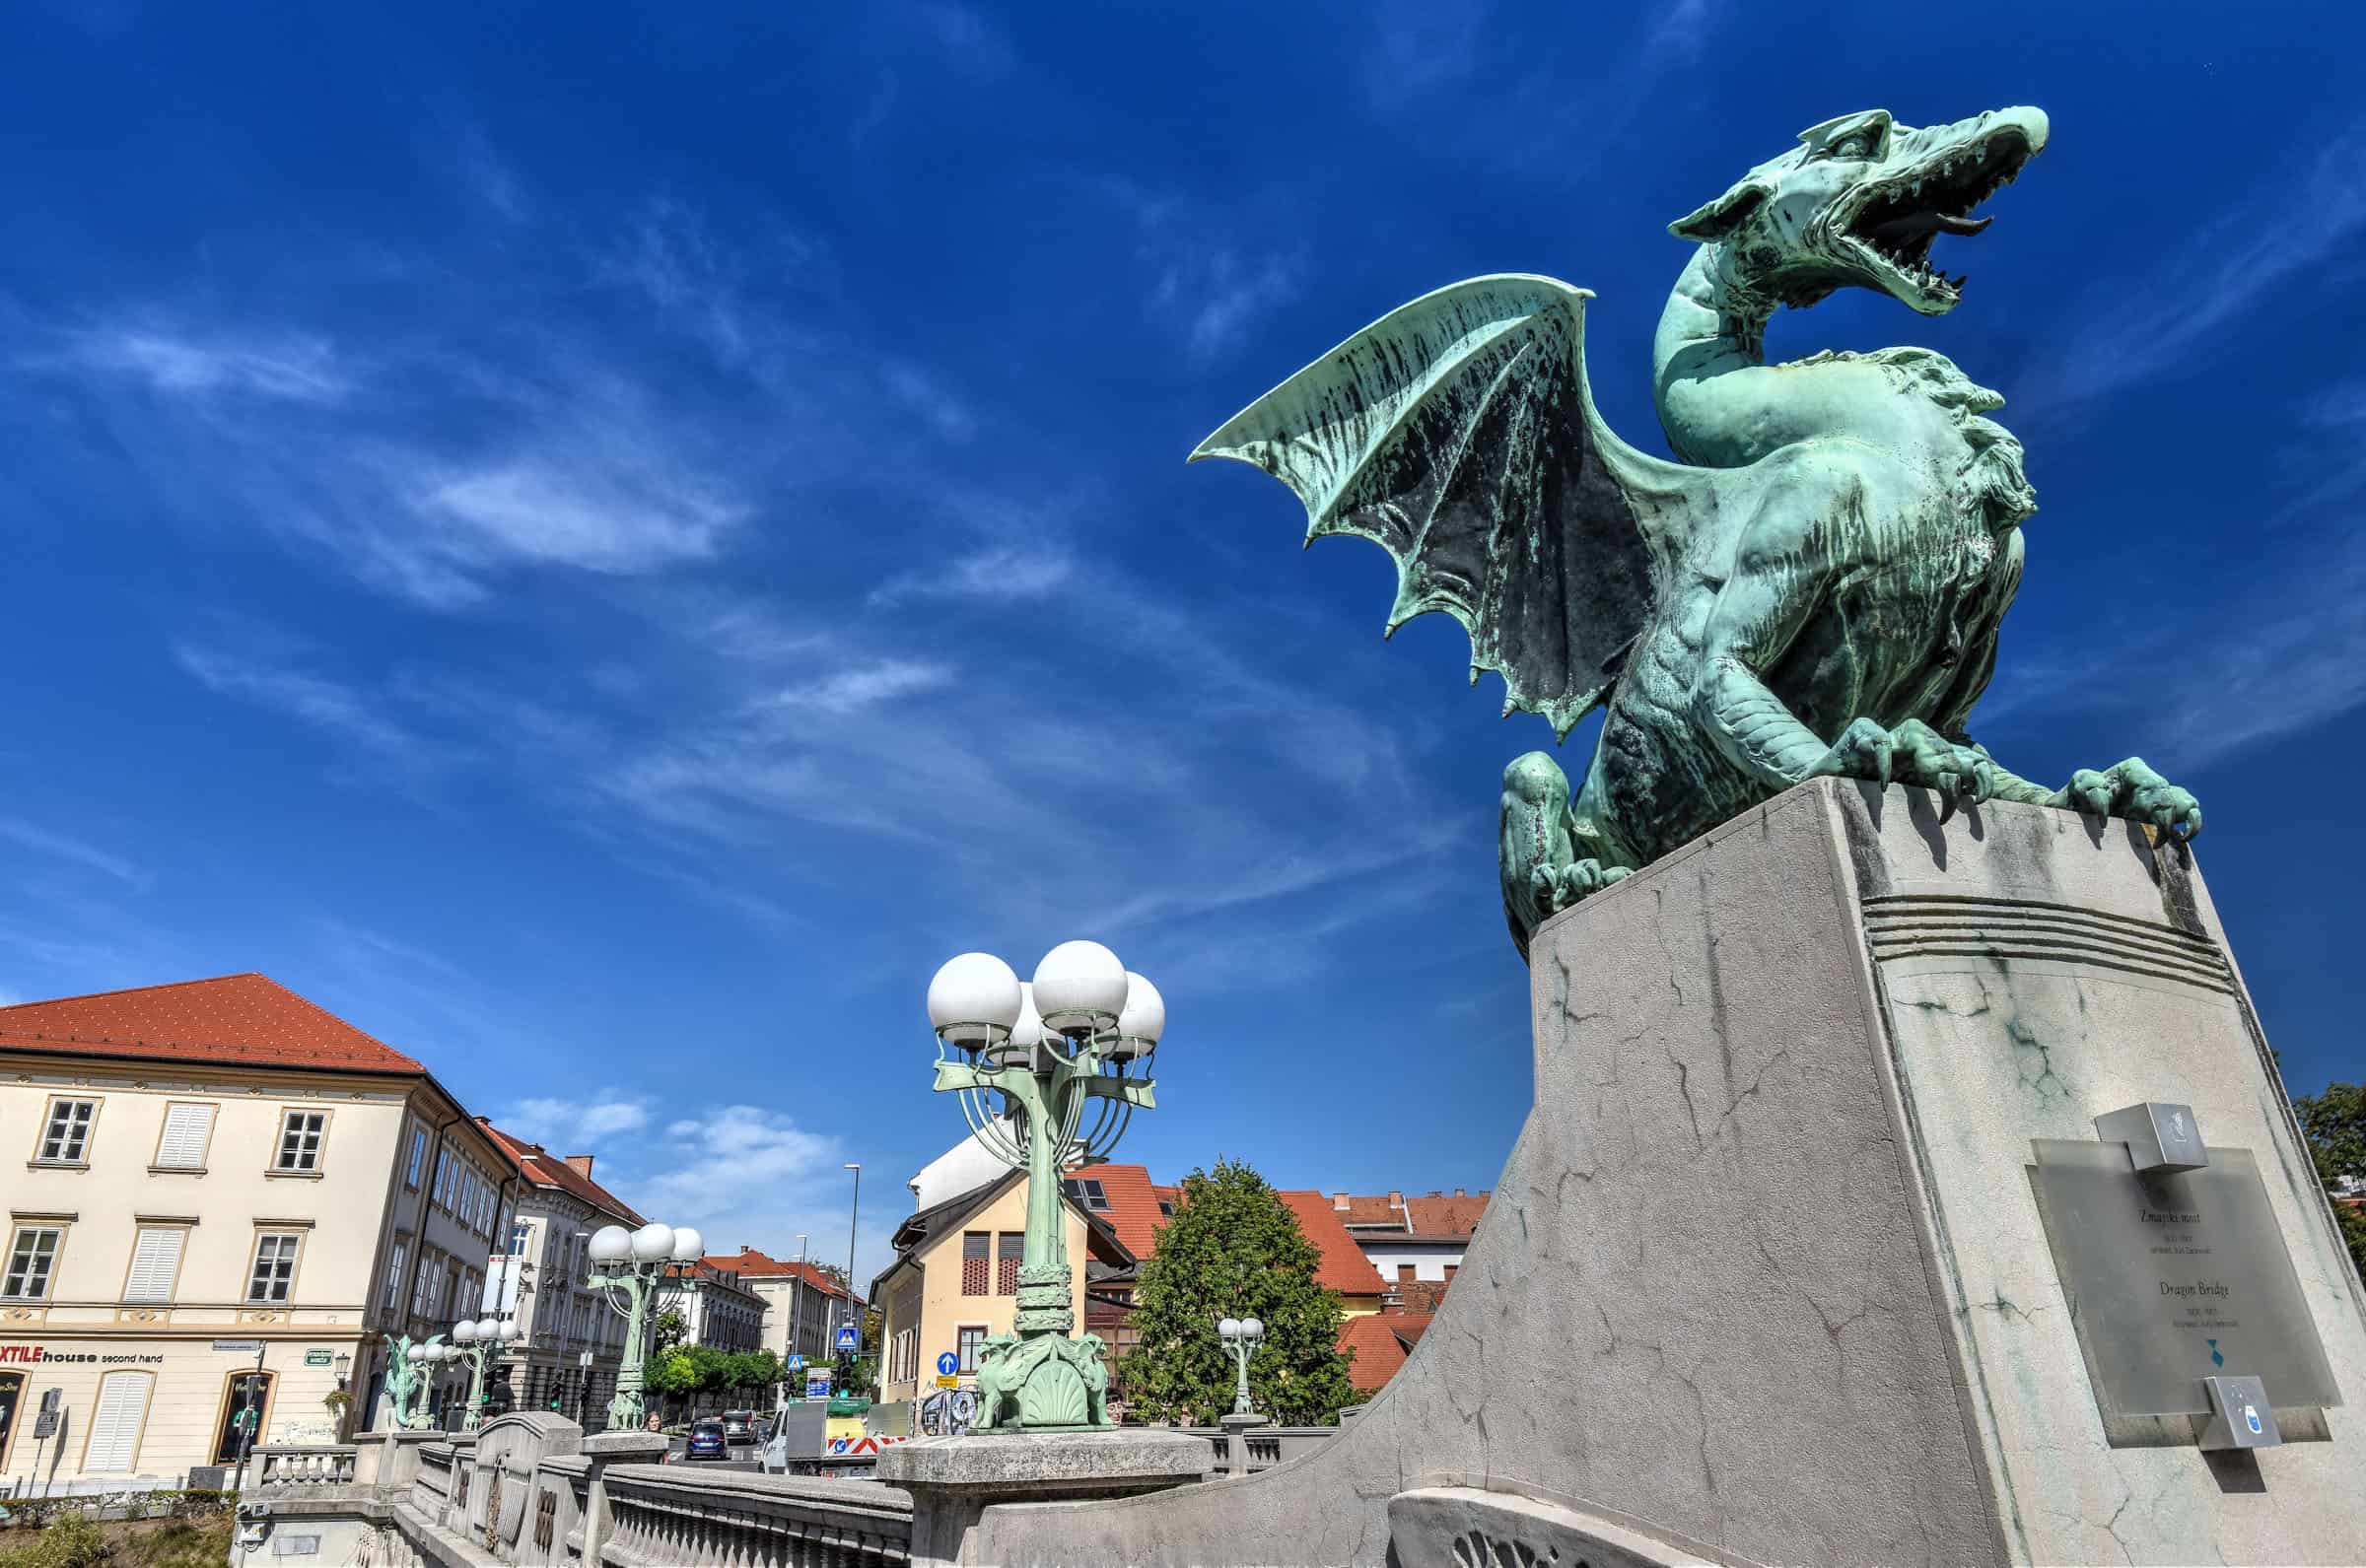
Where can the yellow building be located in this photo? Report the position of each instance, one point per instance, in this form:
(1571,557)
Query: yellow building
(954,1281)
(217,1172)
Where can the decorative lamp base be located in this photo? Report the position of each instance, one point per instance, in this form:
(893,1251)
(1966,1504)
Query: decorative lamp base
(1046,1304)
(1045,1384)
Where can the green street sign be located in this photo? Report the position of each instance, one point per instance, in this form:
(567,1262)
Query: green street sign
(318,1358)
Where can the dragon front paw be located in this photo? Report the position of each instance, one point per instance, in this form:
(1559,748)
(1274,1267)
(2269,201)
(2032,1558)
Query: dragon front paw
(1911,754)
(1559,887)
(2131,789)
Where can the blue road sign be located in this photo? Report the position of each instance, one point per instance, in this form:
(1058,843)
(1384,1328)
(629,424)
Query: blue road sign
(947,1364)
(847,1337)
(793,1362)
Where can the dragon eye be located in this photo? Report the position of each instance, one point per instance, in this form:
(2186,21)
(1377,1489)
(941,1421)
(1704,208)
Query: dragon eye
(1853,145)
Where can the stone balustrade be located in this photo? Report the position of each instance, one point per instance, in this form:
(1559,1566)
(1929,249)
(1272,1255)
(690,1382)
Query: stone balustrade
(304,1463)
(678,1517)
(1265,1446)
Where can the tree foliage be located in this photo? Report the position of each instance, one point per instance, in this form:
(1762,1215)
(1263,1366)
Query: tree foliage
(1234,1249)
(671,1328)
(2335,1123)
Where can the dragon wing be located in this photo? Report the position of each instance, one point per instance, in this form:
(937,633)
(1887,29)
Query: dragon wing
(1457,433)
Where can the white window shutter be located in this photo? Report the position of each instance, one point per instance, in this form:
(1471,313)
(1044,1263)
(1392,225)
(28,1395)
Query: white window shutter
(116,1428)
(155,1259)
(186,1130)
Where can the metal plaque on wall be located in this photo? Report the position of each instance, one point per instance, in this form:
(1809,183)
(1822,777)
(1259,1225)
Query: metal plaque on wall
(2175,1276)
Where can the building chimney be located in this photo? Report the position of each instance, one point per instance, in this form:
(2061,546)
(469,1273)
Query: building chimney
(1339,1200)
(581,1165)
(1396,1200)
(1459,1193)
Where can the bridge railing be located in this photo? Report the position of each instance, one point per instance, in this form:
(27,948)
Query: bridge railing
(304,1464)
(673,1519)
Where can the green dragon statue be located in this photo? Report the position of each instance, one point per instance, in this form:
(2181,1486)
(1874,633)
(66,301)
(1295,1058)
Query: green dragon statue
(1815,587)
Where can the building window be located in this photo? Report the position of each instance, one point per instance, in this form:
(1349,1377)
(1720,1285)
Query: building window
(967,1339)
(1087,1190)
(1166,1208)
(423,1286)
(1013,1252)
(416,1166)
(973,1263)
(187,1128)
(274,1266)
(155,1262)
(1450,1267)
(394,1266)
(520,1233)
(66,1136)
(116,1427)
(300,1140)
(443,1177)
(31,1259)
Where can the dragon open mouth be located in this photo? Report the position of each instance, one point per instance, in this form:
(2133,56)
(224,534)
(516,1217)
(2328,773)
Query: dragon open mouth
(1892,225)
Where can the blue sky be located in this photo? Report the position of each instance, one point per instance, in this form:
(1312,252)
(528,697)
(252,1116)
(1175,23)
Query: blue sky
(600,543)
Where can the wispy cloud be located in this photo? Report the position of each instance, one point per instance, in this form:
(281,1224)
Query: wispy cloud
(863,686)
(44,841)
(2134,328)
(1213,296)
(329,705)
(553,1120)
(1416,47)
(294,368)
(999,574)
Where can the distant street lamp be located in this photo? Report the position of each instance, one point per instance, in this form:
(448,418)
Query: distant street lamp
(633,1264)
(1033,1062)
(476,1341)
(1241,1336)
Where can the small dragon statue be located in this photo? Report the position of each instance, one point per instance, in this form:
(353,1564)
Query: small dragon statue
(1814,588)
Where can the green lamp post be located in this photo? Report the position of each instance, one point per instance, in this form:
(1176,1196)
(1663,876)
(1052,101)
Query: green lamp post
(480,1344)
(634,1265)
(1048,1074)
(1241,1337)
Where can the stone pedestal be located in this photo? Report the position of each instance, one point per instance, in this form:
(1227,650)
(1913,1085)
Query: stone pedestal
(607,1449)
(1236,1439)
(1765,1279)
(953,1480)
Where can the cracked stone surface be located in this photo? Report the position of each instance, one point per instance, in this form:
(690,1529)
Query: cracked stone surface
(1762,1279)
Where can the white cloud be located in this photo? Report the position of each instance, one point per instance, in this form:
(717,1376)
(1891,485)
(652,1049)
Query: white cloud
(999,574)
(330,705)
(924,394)
(1214,296)
(295,368)
(548,504)
(865,686)
(33,836)
(554,1122)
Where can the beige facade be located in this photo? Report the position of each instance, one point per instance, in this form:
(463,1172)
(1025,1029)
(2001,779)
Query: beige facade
(955,1282)
(168,1215)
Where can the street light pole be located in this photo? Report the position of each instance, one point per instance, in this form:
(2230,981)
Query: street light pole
(633,1264)
(854,1216)
(1033,1062)
(1241,1336)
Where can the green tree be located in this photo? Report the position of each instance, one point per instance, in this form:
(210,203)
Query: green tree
(672,1328)
(1234,1249)
(2335,1123)
(672,1372)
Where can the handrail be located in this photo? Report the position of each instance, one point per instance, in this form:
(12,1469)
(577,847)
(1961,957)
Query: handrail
(665,1518)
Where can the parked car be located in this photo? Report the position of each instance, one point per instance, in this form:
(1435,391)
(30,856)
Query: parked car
(706,1442)
(739,1428)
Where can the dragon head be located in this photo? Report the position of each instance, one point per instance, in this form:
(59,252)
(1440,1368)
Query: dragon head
(1860,200)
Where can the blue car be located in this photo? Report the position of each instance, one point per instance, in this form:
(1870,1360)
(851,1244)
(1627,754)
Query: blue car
(707,1442)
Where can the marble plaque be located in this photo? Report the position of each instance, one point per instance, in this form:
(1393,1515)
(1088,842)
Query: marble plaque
(2176,1277)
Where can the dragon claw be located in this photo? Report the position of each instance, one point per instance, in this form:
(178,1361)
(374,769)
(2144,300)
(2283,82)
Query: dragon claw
(2131,789)
(1911,754)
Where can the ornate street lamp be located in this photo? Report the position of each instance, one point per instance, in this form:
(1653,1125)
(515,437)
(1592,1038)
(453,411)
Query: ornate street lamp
(1241,1336)
(634,1265)
(476,1342)
(426,1360)
(1048,1075)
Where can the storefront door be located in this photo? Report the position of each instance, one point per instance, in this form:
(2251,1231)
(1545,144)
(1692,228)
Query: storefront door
(249,1402)
(12,1394)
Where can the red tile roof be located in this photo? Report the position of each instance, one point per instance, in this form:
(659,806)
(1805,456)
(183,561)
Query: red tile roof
(1381,1341)
(1373,1210)
(1439,1215)
(545,1169)
(1343,1267)
(1133,1211)
(246,1020)
(749,1263)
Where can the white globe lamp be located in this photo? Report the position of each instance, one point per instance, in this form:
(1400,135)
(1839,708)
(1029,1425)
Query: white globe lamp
(973,1001)
(611,1244)
(1025,1035)
(1142,1021)
(1078,985)
(509,1331)
(1252,1329)
(652,1242)
(464,1332)
(1229,1327)
(689,1246)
